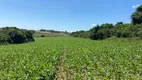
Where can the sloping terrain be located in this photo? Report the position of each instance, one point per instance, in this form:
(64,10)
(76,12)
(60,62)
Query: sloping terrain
(49,34)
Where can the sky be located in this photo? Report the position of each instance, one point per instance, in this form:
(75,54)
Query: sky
(64,15)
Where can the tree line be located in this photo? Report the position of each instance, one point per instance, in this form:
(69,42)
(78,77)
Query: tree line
(15,35)
(120,29)
(54,31)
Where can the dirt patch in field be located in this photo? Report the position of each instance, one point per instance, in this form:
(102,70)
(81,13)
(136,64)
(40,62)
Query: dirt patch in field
(61,75)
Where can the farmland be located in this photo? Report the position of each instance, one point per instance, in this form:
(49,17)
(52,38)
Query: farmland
(72,58)
(49,34)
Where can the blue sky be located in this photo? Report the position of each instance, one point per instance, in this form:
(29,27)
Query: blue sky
(70,15)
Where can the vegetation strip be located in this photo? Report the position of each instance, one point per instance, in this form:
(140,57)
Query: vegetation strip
(120,29)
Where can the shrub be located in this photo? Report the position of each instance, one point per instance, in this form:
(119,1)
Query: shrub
(15,35)
(42,35)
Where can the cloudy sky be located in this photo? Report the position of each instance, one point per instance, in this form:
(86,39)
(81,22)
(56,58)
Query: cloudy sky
(70,15)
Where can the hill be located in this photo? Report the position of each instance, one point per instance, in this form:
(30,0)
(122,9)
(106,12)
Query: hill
(49,34)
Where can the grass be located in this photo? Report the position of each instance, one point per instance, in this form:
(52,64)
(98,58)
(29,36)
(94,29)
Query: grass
(72,58)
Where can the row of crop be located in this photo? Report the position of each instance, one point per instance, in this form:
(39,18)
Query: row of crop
(29,61)
(103,60)
(83,59)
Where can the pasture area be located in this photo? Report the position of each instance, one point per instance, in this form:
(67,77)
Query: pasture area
(69,58)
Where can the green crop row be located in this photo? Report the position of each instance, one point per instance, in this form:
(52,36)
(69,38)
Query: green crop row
(81,59)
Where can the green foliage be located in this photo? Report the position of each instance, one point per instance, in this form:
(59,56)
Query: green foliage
(93,60)
(15,35)
(120,29)
(101,32)
(80,33)
(118,23)
(104,31)
(139,8)
(137,16)
(4,38)
(98,32)
(54,31)
(42,35)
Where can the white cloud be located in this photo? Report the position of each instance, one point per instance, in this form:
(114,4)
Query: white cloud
(135,6)
(93,24)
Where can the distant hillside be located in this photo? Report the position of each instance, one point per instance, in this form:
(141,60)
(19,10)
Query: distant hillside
(49,34)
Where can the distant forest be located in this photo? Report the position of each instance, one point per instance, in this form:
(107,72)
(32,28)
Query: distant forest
(54,31)
(120,29)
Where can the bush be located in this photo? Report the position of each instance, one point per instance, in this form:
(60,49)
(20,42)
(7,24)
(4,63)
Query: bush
(4,38)
(42,35)
(107,30)
(15,35)
(104,31)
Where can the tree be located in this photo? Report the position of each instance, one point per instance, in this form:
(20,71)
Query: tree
(137,16)
(118,23)
(4,38)
(120,29)
(101,32)
(139,8)
(15,35)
